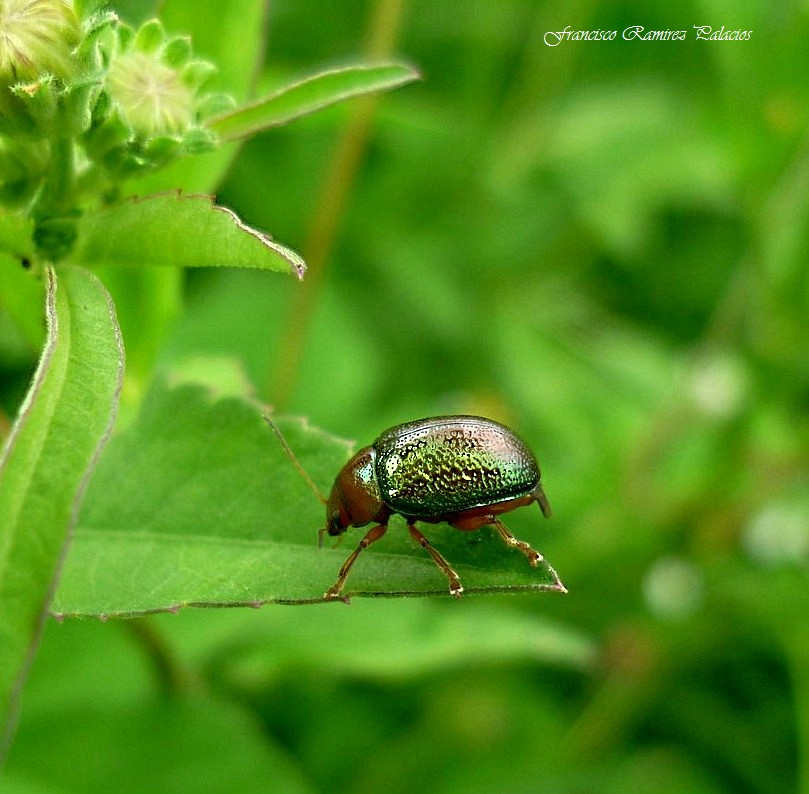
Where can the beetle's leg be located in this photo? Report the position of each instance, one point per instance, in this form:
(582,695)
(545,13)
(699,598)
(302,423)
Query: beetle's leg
(371,536)
(534,557)
(455,586)
(542,501)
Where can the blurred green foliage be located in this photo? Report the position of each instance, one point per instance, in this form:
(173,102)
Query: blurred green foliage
(603,244)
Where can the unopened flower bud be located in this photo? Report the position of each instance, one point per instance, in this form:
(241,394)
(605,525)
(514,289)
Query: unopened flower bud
(150,96)
(37,39)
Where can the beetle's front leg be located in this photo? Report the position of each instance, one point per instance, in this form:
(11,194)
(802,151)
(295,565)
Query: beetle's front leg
(534,557)
(455,586)
(371,536)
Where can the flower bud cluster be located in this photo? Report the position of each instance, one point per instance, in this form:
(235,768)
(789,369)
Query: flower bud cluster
(152,105)
(110,101)
(37,45)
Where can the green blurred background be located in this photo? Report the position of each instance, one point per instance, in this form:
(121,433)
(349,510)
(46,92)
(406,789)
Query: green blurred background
(603,244)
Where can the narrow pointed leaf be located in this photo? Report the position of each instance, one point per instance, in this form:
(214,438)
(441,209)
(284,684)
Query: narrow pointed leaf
(46,462)
(197,504)
(180,231)
(309,96)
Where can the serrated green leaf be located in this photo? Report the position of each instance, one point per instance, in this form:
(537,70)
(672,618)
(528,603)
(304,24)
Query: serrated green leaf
(197,504)
(46,462)
(172,229)
(310,95)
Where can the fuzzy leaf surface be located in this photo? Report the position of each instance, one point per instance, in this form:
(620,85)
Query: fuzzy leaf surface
(310,95)
(46,461)
(181,231)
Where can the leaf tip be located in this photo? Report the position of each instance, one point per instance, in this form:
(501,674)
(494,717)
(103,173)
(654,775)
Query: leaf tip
(556,586)
(295,261)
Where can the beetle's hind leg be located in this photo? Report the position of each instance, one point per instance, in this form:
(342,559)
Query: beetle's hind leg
(542,501)
(371,536)
(534,557)
(455,586)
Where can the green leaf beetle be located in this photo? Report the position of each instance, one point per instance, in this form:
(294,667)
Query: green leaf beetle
(462,470)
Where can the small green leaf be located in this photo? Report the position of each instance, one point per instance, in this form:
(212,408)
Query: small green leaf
(46,462)
(310,95)
(179,231)
(197,504)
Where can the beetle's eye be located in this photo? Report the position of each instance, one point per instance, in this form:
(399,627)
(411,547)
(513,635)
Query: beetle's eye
(335,527)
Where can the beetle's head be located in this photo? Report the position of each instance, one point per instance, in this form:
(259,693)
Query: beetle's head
(354,500)
(337,518)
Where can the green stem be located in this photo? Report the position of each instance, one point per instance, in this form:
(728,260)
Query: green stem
(330,209)
(56,210)
(172,677)
(59,186)
(796,645)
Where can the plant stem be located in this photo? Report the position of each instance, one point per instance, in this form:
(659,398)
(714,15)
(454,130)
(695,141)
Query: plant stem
(59,185)
(339,180)
(796,649)
(5,425)
(171,676)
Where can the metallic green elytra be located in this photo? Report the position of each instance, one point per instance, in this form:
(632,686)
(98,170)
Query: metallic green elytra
(465,470)
(451,463)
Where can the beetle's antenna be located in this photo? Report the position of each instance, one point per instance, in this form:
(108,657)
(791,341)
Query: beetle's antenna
(291,455)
